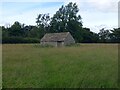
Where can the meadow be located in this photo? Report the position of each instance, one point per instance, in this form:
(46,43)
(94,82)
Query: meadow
(79,66)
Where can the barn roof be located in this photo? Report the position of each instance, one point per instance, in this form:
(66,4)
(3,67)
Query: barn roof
(55,36)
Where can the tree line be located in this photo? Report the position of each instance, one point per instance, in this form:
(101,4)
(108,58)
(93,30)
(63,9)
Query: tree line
(66,19)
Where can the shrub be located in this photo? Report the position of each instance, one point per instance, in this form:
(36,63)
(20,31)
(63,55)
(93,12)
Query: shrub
(19,40)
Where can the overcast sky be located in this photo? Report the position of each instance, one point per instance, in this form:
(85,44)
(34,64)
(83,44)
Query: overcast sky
(96,14)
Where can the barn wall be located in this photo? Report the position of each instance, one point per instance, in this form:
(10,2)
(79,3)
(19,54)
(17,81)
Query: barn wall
(69,40)
(49,43)
(60,43)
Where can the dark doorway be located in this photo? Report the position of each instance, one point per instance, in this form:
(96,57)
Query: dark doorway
(59,43)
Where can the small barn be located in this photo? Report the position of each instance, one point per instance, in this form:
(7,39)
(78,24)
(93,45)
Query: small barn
(57,39)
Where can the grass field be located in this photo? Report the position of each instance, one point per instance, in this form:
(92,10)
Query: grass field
(0,66)
(81,66)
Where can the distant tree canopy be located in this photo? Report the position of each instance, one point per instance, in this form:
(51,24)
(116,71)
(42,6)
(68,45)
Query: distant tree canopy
(115,35)
(104,35)
(66,19)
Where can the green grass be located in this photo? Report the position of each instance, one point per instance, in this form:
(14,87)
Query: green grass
(83,66)
(0,66)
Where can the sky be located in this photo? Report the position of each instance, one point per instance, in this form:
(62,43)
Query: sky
(96,14)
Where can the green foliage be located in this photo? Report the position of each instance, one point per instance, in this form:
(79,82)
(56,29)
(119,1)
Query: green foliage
(18,33)
(42,20)
(67,20)
(19,40)
(16,29)
(115,35)
(109,36)
(88,36)
(43,23)
(34,32)
(104,35)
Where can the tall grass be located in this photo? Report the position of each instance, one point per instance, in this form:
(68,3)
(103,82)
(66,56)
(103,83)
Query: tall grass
(84,66)
(0,66)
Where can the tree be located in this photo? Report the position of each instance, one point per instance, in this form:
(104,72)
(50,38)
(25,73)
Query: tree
(89,36)
(35,32)
(5,32)
(104,35)
(43,21)
(67,20)
(16,29)
(115,35)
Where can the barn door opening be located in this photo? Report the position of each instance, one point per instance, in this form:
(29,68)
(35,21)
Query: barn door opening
(59,43)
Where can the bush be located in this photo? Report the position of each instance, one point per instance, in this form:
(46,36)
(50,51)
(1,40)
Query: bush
(19,40)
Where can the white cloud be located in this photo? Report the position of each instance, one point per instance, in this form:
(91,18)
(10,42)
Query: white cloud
(74,1)
(31,0)
(100,5)
(105,5)
(28,17)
